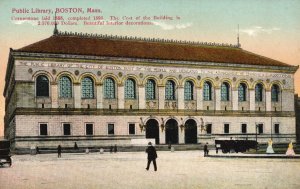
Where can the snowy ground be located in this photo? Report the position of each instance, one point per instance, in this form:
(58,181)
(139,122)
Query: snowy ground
(176,170)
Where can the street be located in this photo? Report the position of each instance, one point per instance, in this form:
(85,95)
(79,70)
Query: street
(176,170)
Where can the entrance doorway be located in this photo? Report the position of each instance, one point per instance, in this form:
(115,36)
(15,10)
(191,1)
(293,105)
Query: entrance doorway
(172,132)
(190,132)
(152,130)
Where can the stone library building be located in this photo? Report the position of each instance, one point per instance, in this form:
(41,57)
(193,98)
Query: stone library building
(100,90)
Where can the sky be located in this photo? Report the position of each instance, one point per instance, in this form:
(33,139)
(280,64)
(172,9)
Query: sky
(268,28)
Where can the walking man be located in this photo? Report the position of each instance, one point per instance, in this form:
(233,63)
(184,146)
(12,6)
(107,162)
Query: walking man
(59,151)
(151,151)
(205,149)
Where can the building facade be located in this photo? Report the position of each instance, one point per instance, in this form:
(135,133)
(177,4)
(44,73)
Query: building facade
(104,90)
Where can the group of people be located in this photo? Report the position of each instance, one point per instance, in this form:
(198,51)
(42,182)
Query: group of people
(59,149)
(152,155)
(290,151)
(113,149)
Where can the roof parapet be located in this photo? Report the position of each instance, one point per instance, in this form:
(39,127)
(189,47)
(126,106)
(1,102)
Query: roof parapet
(131,38)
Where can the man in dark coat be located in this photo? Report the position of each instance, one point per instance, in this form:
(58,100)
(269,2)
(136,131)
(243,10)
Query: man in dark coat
(205,149)
(59,151)
(151,151)
(76,146)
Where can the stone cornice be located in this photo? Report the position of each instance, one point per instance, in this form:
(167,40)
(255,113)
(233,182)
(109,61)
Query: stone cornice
(140,112)
(154,62)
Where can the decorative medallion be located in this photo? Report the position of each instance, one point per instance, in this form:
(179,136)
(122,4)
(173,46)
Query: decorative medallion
(180,76)
(99,73)
(30,70)
(141,75)
(161,76)
(53,71)
(234,79)
(268,80)
(284,81)
(217,78)
(120,74)
(251,79)
(76,72)
(199,77)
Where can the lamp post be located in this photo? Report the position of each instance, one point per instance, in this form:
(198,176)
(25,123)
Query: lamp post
(271,128)
(257,125)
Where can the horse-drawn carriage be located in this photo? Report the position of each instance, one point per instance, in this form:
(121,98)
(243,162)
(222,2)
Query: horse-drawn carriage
(232,145)
(5,157)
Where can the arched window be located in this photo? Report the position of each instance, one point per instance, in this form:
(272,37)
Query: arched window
(109,88)
(87,88)
(188,90)
(259,93)
(150,89)
(42,86)
(207,92)
(130,89)
(170,90)
(275,93)
(65,87)
(242,92)
(225,92)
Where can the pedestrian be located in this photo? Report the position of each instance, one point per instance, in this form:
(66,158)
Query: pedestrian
(59,151)
(152,155)
(217,149)
(290,151)
(76,146)
(37,150)
(32,150)
(205,149)
(115,148)
(111,149)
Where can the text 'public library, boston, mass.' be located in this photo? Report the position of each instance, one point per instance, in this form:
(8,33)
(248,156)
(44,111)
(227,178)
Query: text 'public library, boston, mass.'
(100,90)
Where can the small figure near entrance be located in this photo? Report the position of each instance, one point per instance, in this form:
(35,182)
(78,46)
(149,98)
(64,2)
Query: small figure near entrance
(111,149)
(217,148)
(270,148)
(59,151)
(205,149)
(37,150)
(169,146)
(115,148)
(152,155)
(76,146)
(290,151)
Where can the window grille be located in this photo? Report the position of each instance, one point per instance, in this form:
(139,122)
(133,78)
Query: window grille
(150,89)
(242,92)
(188,90)
(170,90)
(87,88)
(130,89)
(207,91)
(225,92)
(65,87)
(109,88)
(275,93)
(258,93)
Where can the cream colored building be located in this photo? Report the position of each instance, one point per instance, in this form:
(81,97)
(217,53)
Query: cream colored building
(100,90)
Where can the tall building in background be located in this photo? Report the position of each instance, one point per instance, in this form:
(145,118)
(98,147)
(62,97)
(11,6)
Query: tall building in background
(100,90)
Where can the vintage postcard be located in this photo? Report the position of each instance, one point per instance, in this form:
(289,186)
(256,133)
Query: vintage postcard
(149,94)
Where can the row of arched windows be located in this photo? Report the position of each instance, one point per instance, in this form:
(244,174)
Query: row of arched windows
(109,87)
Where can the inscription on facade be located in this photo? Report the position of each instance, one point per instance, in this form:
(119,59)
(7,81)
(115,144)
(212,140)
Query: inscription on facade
(151,69)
